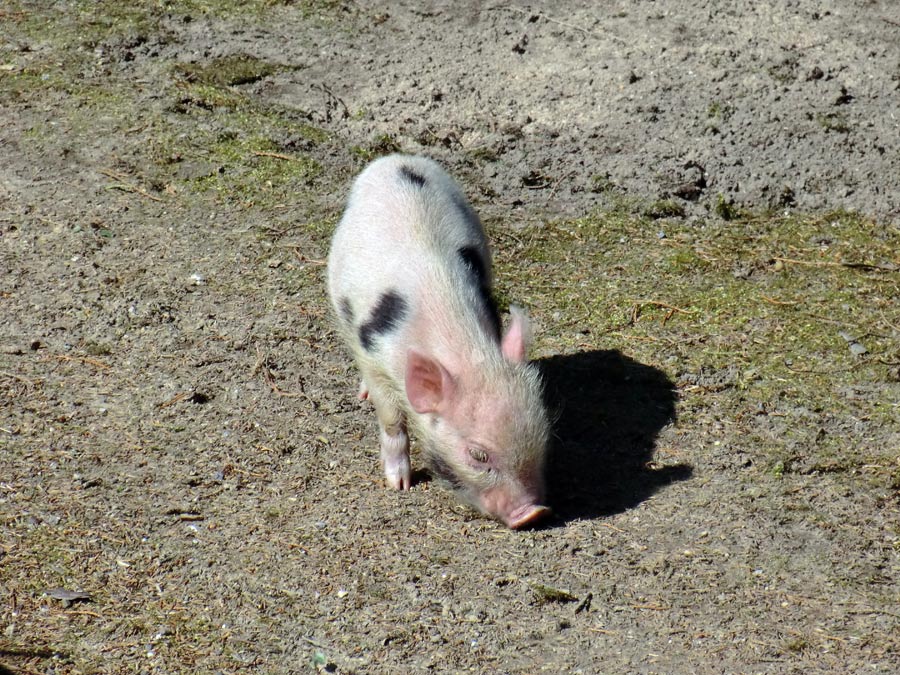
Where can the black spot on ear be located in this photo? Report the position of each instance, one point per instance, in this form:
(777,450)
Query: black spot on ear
(346,311)
(474,264)
(413,177)
(387,314)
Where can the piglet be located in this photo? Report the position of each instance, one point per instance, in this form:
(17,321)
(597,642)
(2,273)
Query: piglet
(409,277)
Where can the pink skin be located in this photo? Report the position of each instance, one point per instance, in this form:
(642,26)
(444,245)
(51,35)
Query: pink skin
(473,402)
(527,515)
(395,459)
(511,493)
(516,513)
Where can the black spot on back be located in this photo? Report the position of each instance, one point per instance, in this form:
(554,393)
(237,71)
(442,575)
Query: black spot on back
(346,310)
(474,263)
(413,177)
(387,314)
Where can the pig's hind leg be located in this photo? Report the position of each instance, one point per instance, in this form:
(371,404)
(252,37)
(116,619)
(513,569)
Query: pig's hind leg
(394,441)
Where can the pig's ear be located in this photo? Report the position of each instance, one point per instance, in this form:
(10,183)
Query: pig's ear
(517,337)
(429,386)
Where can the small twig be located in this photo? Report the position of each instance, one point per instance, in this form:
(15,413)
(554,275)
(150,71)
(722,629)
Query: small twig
(267,374)
(657,303)
(558,183)
(175,399)
(276,155)
(27,671)
(780,302)
(262,365)
(83,359)
(83,612)
(504,233)
(668,316)
(845,324)
(127,187)
(636,310)
(828,263)
(639,338)
(335,97)
(20,378)
(874,611)
(613,527)
(832,637)
(283,231)
(303,258)
(810,371)
(890,21)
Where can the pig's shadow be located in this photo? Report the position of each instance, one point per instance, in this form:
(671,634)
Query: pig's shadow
(608,411)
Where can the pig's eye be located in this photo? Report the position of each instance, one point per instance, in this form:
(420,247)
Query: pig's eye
(478,455)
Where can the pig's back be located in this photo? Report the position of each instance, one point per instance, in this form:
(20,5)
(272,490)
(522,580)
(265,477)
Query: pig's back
(409,246)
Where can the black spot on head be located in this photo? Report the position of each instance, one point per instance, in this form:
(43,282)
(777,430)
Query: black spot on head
(346,311)
(471,258)
(468,213)
(493,314)
(413,177)
(387,314)
(441,469)
(474,263)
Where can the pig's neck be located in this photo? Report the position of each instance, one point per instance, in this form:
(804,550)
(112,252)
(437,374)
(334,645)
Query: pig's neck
(460,343)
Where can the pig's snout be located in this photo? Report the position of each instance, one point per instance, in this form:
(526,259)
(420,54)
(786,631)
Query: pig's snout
(526,515)
(515,513)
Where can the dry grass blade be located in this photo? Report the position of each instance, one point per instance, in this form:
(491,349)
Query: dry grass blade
(125,186)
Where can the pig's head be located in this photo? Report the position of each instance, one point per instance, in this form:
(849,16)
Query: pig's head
(485,427)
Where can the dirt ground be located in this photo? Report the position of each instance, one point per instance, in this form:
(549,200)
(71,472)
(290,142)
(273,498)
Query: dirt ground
(700,208)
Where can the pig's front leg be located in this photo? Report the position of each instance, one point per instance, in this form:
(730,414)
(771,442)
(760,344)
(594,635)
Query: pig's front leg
(394,443)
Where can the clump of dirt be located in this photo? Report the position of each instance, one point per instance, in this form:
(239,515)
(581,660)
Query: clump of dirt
(697,204)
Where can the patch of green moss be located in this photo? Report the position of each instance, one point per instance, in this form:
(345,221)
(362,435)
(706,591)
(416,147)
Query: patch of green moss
(227,71)
(545,595)
(725,208)
(381,145)
(484,154)
(718,110)
(751,310)
(664,208)
(43,543)
(602,184)
(684,259)
(833,121)
(253,169)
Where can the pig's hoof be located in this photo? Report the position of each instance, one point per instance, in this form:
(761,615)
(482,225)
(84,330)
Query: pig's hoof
(395,459)
(363,391)
(526,516)
(399,476)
